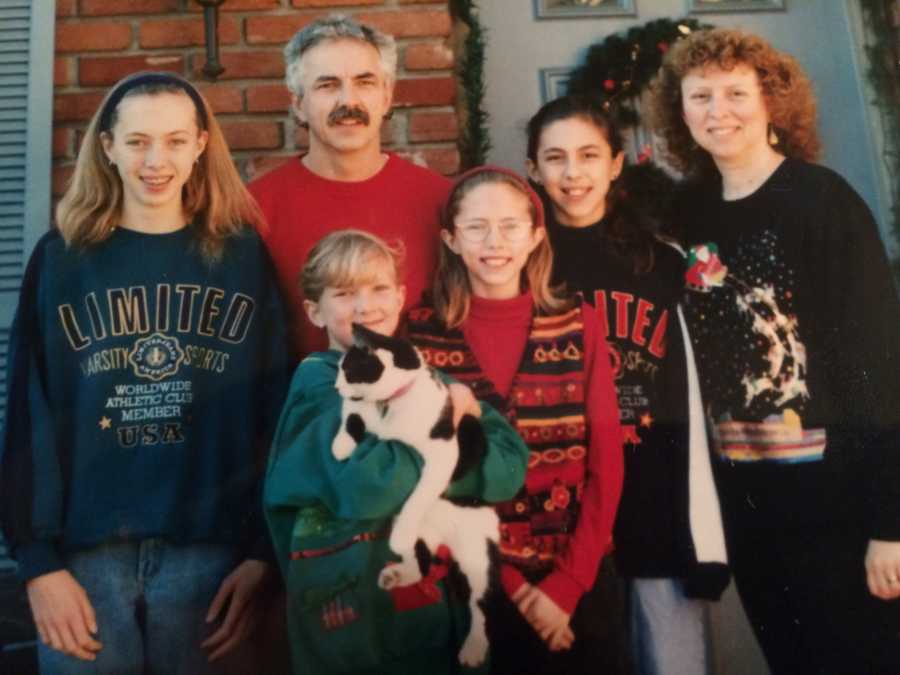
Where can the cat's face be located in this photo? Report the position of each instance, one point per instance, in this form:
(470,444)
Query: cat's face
(376,366)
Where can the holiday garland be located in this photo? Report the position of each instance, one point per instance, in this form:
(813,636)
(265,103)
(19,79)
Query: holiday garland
(474,142)
(619,68)
(883,71)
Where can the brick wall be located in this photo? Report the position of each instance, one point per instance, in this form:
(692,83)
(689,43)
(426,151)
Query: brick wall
(100,41)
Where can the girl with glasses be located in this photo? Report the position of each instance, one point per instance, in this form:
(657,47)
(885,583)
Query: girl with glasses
(497,325)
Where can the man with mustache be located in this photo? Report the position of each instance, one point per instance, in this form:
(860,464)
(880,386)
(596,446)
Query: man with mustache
(341,76)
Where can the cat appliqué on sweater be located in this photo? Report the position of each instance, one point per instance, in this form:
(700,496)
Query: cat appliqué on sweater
(389,391)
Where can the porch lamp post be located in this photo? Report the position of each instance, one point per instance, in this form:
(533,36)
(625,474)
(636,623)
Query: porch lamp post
(212,69)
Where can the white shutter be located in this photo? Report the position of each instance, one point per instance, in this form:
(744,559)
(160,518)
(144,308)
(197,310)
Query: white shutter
(26,89)
(26,110)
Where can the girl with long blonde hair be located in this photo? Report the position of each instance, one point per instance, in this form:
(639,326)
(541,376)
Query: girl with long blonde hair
(147,363)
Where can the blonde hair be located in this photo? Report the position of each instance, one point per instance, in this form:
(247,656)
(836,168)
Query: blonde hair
(214,197)
(787,92)
(452,291)
(348,258)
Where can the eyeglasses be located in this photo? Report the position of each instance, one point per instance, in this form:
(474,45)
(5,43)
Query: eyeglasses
(475,233)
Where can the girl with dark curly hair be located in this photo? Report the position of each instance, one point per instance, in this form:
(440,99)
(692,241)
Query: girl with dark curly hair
(796,326)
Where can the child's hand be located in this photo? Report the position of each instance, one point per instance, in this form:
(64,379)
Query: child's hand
(545,616)
(63,614)
(464,402)
(243,592)
(561,639)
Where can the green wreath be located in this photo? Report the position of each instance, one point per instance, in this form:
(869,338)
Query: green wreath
(621,66)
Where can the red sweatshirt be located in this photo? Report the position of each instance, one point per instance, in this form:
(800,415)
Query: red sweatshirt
(496,331)
(401,202)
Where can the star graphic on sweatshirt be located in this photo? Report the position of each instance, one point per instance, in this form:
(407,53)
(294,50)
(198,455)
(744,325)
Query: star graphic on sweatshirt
(647,420)
(105,422)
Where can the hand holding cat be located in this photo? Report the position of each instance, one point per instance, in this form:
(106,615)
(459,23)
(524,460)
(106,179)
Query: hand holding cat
(464,402)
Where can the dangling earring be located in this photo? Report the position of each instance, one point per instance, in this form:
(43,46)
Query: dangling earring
(773,137)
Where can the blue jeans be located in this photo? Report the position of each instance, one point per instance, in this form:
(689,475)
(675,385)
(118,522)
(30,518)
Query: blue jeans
(151,600)
(668,629)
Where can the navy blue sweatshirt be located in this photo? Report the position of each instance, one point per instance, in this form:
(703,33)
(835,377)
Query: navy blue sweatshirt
(144,385)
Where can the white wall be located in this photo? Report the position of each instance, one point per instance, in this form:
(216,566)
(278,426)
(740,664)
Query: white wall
(818,32)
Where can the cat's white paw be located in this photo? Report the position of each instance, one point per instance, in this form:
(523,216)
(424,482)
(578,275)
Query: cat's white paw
(474,649)
(402,539)
(343,446)
(399,574)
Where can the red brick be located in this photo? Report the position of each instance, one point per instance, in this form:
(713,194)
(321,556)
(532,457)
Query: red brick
(392,131)
(60,176)
(253,135)
(301,4)
(184,32)
(76,107)
(425,91)
(65,8)
(301,137)
(92,36)
(244,64)
(268,98)
(409,24)
(62,142)
(237,5)
(100,71)
(79,138)
(223,98)
(428,56)
(442,160)
(263,164)
(430,127)
(276,29)
(113,7)
(61,71)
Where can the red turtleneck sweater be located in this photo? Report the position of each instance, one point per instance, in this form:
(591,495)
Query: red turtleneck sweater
(496,332)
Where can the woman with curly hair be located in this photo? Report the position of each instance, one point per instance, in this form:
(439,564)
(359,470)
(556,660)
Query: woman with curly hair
(796,326)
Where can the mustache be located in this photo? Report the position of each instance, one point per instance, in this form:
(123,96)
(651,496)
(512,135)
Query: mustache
(344,112)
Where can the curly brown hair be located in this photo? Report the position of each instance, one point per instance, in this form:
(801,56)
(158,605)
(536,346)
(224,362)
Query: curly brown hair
(786,89)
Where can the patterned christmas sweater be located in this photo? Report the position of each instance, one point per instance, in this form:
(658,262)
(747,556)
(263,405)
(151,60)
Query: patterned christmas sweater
(559,396)
(796,328)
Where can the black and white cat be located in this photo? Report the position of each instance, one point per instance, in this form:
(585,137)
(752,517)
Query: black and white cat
(389,391)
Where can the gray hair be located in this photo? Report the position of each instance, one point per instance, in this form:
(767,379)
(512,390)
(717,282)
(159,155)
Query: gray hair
(335,27)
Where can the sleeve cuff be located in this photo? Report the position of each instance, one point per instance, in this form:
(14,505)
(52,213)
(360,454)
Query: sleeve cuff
(563,590)
(36,559)
(511,579)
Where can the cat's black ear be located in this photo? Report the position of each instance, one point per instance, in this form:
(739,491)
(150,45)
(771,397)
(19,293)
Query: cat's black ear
(363,337)
(405,355)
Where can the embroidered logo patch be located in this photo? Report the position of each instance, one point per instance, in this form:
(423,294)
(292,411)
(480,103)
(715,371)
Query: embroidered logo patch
(156,356)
